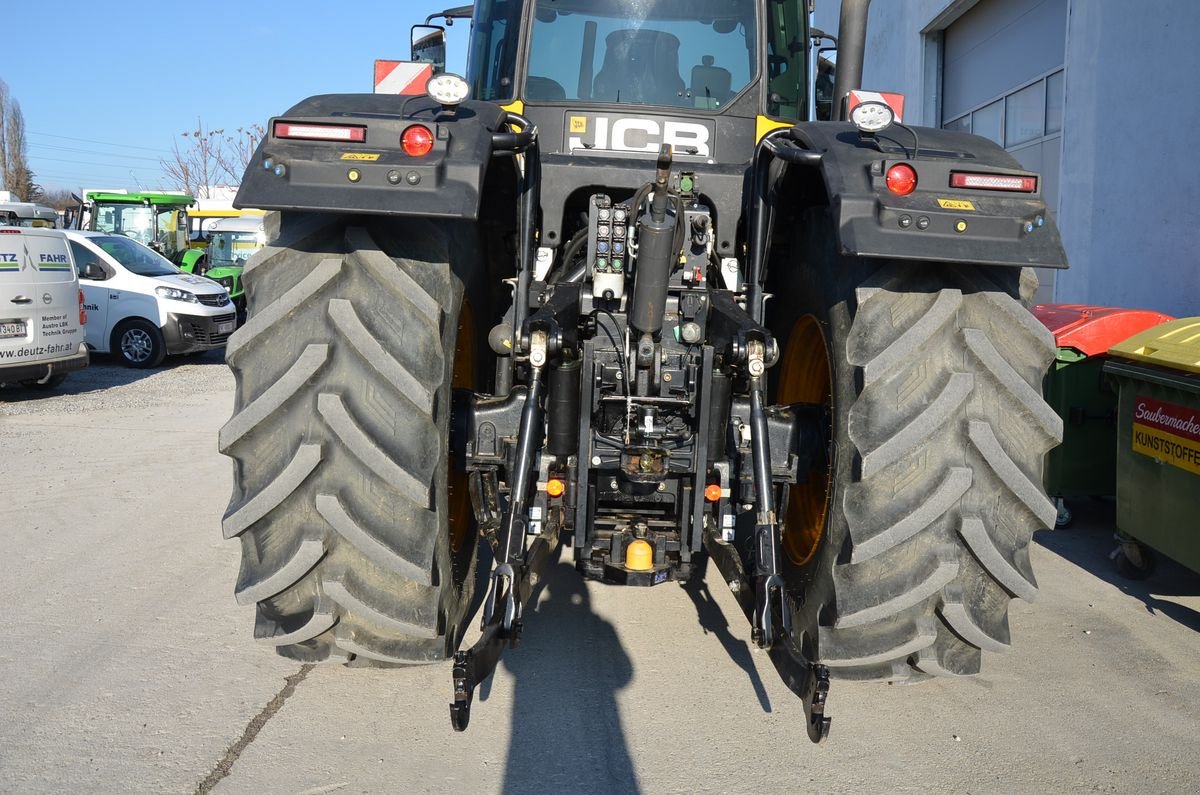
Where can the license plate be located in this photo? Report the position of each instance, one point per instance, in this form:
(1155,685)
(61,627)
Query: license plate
(224,328)
(12,328)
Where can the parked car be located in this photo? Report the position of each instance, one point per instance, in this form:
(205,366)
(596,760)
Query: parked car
(41,308)
(141,307)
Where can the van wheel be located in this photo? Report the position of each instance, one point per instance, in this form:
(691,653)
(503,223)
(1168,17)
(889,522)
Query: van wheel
(139,343)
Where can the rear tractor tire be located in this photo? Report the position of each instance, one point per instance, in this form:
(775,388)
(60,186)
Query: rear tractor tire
(353,547)
(902,559)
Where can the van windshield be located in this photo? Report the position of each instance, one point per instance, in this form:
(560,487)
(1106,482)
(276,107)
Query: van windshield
(686,53)
(135,257)
(232,248)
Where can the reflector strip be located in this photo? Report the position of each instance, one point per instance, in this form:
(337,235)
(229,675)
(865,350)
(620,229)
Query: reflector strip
(320,132)
(960,179)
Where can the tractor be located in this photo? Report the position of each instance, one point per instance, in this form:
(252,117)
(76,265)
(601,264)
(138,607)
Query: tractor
(231,241)
(621,289)
(155,219)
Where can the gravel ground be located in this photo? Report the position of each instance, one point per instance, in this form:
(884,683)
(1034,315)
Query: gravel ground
(105,383)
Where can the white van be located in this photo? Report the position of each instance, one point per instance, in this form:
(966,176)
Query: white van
(140,307)
(41,308)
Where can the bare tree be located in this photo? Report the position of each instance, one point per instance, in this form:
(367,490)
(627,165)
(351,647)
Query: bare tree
(194,167)
(238,149)
(3,136)
(210,156)
(58,198)
(17,177)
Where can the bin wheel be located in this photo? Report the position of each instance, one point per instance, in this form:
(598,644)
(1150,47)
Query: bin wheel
(1064,517)
(1135,561)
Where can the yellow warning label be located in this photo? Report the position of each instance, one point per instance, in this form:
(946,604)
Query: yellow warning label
(365,156)
(1167,447)
(579,124)
(955,204)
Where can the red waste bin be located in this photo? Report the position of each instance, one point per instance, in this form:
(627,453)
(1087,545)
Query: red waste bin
(1085,464)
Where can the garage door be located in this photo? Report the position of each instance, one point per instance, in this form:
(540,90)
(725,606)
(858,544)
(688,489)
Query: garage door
(1002,78)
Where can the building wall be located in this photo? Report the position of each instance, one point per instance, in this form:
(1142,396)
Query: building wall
(1129,182)
(1130,206)
(896,57)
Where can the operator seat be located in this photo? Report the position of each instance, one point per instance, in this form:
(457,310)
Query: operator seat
(640,66)
(711,85)
(544,89)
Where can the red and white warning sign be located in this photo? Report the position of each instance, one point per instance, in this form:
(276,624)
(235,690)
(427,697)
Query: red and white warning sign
(402,77)
(892,100)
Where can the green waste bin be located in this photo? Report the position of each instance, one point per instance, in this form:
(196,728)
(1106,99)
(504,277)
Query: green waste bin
(1158,444)
(1084,465)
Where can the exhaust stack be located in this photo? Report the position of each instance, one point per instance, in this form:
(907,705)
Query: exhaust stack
(852,46)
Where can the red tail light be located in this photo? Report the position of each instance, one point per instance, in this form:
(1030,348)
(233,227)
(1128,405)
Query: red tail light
(320,132)
(417,141)
(901,179)
(962,179)
(82,311)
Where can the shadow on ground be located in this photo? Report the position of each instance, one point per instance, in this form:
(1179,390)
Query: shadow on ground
(713,621)
(1088,542)
(566,727)
(105,372)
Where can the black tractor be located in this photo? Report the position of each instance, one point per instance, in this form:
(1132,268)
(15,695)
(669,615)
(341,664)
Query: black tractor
(626,287)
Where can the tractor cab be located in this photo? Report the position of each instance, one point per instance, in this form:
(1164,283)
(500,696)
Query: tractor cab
(608,83)
(157,220)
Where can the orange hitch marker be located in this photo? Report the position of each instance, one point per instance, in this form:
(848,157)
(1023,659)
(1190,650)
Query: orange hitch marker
(639,556)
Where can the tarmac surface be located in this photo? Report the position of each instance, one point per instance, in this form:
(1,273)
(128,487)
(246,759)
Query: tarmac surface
(129,668)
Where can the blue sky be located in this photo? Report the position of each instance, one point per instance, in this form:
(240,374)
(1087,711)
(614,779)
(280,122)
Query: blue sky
(106,92)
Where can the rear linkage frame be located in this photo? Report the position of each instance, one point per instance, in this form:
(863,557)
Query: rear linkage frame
(543,337)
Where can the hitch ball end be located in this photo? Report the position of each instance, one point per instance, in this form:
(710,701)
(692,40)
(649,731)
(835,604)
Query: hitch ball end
(639,556)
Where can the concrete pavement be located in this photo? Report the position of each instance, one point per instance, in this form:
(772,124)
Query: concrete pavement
(129,668)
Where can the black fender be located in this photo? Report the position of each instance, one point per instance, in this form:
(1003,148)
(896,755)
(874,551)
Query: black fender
(935,222)
(376,176)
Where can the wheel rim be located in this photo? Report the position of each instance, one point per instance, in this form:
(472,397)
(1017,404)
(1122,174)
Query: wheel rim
(806,377)
(136,345)
(462,377)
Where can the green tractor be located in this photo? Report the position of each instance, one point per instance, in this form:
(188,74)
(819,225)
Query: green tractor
(157,220)
(231,241)
(622,290)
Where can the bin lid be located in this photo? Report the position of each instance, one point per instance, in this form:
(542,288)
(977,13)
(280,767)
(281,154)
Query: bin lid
(1175,345)
(1092,330)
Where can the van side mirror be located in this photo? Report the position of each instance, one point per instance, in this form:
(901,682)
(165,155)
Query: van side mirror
(429,46)
(94,271)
